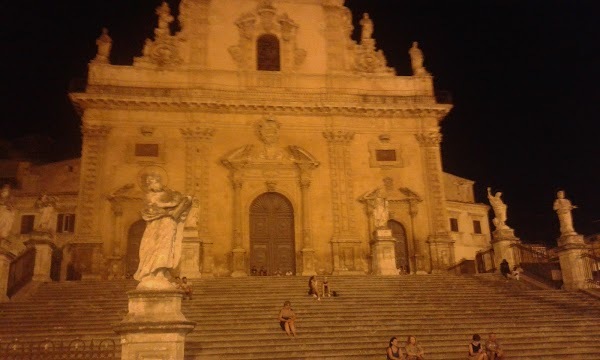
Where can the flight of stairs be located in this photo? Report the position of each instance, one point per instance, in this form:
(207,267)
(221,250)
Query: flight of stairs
(237,317)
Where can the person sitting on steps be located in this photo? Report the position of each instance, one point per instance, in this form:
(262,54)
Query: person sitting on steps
(313,288)
(393,351)
(287,318)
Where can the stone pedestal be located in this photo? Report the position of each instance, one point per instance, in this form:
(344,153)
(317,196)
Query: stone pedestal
(239,262)
(154,328)
(383,253)
(44,246)
(572,264)
(6,257)
(308,262)
(503,241)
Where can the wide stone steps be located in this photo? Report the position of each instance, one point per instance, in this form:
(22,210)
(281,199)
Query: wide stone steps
(236,317)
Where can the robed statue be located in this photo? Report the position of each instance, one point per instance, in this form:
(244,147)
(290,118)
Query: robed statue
(499,209)
(563,208)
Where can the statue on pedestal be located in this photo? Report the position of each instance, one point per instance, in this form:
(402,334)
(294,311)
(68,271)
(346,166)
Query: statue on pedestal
(7,212)
(416,60)
(165,212)
(499,209)
(104,44)
(563,208)
(46,206)
(378,206)
(367,27)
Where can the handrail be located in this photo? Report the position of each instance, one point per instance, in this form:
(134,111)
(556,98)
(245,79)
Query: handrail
(526,254)
(20,271)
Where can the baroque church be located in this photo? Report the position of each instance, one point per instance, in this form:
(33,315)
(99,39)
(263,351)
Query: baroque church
(303,151)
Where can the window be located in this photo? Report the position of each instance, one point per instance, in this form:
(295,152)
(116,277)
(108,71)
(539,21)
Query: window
(65,223)
(27,223)
(385,155)
(477,226)
(146,150)
(267,53)
(453,224)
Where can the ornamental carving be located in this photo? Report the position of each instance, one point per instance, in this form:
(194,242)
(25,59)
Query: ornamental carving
(366,58)
(265,21)
(163,51)
(429,138)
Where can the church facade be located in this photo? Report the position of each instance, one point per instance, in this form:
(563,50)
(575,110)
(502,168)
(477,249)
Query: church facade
(303,151)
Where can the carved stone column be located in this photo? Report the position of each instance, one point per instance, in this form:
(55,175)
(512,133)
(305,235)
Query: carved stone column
(575,273)
(6,257)
(441,245)
(92,158)
(44,246)
(346,250)
(238,252)
(197,242)
(308,252)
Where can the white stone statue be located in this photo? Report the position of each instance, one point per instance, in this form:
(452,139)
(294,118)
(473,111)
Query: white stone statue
(416,60)
(378,206)
(367,27)
(7,211)
(165,212)
(563,208)
(499,209)
(104,44)
(46,206)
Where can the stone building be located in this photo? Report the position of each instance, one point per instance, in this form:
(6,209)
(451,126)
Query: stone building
(286,132)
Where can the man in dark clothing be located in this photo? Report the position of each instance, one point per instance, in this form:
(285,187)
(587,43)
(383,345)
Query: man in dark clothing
(504,268)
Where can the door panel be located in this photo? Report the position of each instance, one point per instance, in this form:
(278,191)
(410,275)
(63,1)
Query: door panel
(272,233)
(401,247)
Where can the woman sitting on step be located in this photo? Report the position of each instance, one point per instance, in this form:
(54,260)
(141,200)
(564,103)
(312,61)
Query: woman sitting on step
(313,287)
(414,351)
(286,318)
(393,351)
(476,350)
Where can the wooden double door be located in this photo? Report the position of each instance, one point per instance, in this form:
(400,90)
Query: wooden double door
(272,234)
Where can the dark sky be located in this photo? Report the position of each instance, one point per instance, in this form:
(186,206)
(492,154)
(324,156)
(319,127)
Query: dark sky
(523,75)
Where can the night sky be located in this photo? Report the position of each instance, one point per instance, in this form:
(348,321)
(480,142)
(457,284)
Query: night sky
(523,76)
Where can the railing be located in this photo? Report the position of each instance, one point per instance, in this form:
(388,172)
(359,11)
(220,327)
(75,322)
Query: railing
(21,271)
(592,264)
(464,266)
(485,261)
(59,350)
(538,265)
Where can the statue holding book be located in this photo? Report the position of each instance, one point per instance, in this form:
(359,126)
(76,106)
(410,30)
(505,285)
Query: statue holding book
(165,212)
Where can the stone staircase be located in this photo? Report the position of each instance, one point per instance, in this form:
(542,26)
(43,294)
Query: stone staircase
(236,317)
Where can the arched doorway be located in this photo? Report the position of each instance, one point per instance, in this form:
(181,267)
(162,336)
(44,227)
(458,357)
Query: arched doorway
(401,247)
(134,237)
(272,234)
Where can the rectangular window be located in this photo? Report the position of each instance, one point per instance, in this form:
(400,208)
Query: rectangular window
(65,223)
(146,150)
(385,155)
(477,226)
(453,224)
(27,223)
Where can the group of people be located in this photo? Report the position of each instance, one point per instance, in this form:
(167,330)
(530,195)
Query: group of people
(318,291)
(505,270)
(413,350)
(490,350)
(185,285)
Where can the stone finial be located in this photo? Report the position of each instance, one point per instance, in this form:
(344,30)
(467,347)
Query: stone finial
(164,19)
(367,27)
(104,44)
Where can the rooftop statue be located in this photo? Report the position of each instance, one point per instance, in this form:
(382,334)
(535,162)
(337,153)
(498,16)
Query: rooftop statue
(367,27)
(416,60)
(165,212)
(104,44)
(499,209)
(563,208)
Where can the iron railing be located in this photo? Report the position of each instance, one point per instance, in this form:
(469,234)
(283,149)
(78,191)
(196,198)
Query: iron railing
(538,265)
(20,271)
(59,350)
(592,264)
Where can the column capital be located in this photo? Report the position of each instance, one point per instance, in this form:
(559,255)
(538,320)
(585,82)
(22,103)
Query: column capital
(339,136)
(432,138)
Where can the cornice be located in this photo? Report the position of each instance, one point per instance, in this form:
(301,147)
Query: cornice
(272,105)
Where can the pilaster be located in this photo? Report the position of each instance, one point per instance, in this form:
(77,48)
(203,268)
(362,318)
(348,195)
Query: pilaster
(441,246)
